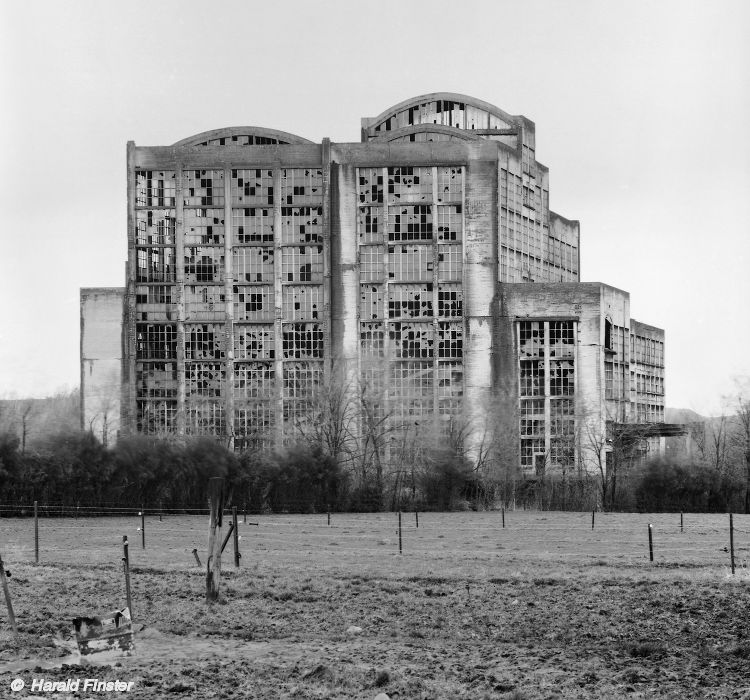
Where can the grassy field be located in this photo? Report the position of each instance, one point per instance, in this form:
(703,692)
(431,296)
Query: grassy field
(544,607)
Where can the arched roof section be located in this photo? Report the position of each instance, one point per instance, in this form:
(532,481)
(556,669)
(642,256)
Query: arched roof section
(448,109)
(242,136)
(428,132)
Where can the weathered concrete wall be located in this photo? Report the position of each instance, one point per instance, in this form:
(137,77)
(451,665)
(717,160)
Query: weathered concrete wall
(101,360)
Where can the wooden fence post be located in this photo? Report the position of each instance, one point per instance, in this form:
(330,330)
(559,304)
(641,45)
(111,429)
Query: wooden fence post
(236,538)
(399,532)
(731,541)
(143,527)
(213,565)
(36,533)
(6,591)
(650,542)
(126,567)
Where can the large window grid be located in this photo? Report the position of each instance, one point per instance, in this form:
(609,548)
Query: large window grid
(204,303)
(301,380)
(302,341)
(253,342)
(204,341)
(155,188)
(450,340)
(253,264)
(155,264)
(301,186)
(156,417)
(371,263)
(202,188)
(410,263)
(409,184)
(252,186)
(371,225)
(449,223)
(302,264)
(253,303)
(204,264)
(252,225)
(204,226)
(155,341)
(205,417)
(302,303)
(412,340)
(450,300)
(450,263)
(204,379)
(301,225)
(253,380)
(450,184)
(410,223)
(156,380)
(410,300)
(155,227)
(371,301)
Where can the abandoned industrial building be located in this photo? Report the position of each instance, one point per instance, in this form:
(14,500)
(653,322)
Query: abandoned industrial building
(414,281)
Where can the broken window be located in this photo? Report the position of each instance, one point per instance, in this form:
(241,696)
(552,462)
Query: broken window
(155,188)
(252,264)
(204,264)
(409,300)
(410,262)
(301,225)
(302,340)
(371,225)
(204,341)
(252,186)
(410,223)
(301,379)
(412,340)
(155,265)
(205,417)
(532,453)
(203,188)
(450,262)
(253,380)
(532,417)
(156,380)
(450,380)
(561,378)
(253,419)
(372,339)
(409,184)
(155,341)
(450,339)
(302,263)
(204,379)
(531,378)
(154,303)
(253,303)
(301,186)
(302,303)
(372,301)
(531,338)
(450,184)
(370,185)
(561,339)
(204,303)
(450,300)
(253,342)
(449,223)
(156,417)
(155,227)
(411,380)
(204,226)
(252,225)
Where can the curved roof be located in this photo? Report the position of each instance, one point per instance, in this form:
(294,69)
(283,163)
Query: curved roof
(440,132)
(472,113)
(241,136)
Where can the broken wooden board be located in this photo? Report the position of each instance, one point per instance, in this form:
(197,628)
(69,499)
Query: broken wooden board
(110,634)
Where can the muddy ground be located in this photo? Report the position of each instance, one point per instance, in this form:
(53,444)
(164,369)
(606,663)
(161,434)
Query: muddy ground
(433,623)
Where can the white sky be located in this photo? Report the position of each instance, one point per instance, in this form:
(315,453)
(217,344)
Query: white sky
(642,111)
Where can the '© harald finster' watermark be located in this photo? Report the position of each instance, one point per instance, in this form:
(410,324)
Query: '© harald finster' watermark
(72,685)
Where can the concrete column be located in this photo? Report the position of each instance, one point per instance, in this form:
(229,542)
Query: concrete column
(228,387)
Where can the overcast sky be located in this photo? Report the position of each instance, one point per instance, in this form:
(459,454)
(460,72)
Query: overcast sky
(642,113)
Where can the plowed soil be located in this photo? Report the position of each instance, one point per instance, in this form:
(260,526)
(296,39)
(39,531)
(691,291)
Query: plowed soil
(543,608)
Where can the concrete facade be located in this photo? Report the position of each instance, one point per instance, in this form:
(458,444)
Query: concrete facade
(101,360)
(264,269)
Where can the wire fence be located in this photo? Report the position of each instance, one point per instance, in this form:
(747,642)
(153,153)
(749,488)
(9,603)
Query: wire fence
(493,539)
